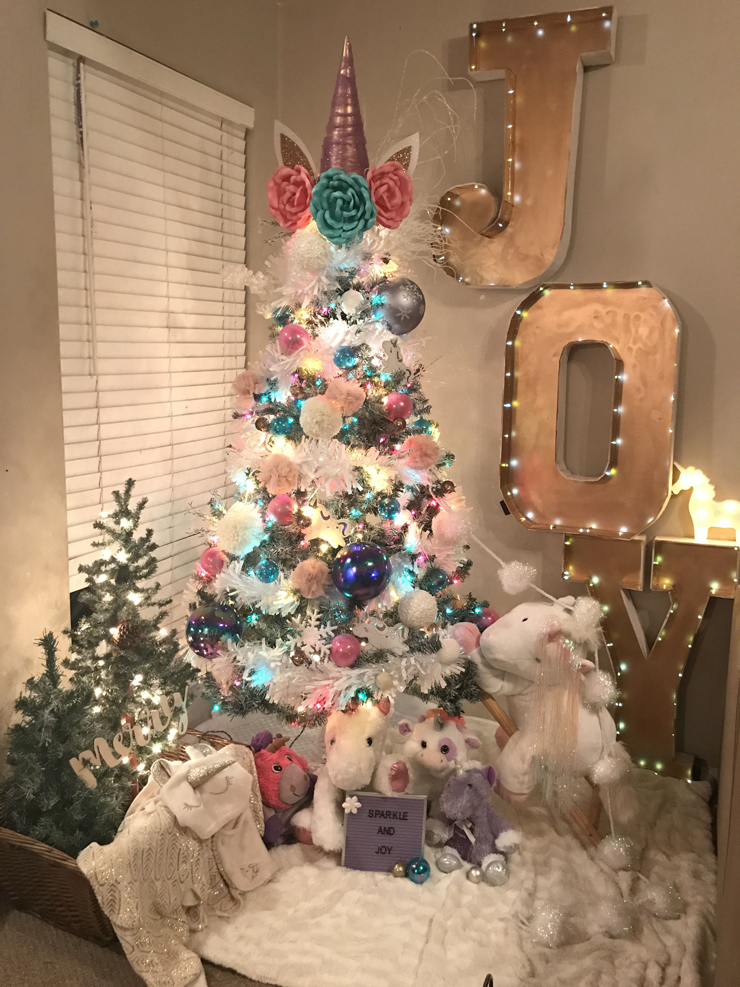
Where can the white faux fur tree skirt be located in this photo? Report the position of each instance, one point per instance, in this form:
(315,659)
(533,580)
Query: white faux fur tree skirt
(319,925)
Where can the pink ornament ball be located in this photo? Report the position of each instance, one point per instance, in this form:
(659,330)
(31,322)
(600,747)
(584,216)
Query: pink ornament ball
(292,338)
(486,618)
(281,509)
(398,405)
(211,562)
(345,650)
(466,635)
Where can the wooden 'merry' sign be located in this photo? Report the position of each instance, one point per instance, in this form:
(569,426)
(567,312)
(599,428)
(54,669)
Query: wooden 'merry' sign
(518,240)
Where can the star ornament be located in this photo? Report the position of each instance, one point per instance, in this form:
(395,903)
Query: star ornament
(351,804)
(324,526)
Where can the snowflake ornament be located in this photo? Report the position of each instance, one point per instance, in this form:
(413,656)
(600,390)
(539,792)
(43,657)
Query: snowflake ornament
(351,804)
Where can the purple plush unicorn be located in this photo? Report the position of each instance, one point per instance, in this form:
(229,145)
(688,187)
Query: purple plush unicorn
(478,834)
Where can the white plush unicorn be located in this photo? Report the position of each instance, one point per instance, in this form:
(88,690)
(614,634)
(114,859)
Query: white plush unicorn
(354,742)
(536,656)
(705,511)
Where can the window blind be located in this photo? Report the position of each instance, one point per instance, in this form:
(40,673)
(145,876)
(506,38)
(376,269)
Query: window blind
(149,197)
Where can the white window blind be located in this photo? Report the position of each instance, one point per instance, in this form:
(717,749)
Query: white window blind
(150,207)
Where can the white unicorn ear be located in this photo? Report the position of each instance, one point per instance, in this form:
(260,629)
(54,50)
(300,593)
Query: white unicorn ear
(405,152)
(291,151)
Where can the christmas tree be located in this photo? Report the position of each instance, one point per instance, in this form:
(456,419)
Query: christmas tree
(125,671)
(42,797)
(334,576)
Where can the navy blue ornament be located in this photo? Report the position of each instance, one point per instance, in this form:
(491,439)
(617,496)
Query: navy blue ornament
(434,581)
(345,357)
(418,870)
(282,316)
(210,627)
(388,508)
(361,571)
(282,425)
(267,571)
(400,304)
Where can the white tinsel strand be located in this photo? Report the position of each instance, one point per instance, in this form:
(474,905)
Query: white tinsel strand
(273,598)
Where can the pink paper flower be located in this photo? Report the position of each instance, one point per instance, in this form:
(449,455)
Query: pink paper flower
(422,451)
(248,383)
(392,191)
(279,474)
(310,578)
(289,197)
(347,395)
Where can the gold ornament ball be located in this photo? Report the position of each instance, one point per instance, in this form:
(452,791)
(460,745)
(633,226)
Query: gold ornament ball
(399,869)
(384,681)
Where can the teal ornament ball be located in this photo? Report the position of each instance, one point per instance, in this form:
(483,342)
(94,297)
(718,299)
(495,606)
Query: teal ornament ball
(342,206)
(345,357)
(282,316)
(418,870)
(421,425)
(266,571)
(434,581)
(282,425)
(388,508)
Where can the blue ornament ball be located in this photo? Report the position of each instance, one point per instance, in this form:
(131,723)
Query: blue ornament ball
(435,580)
(421,425)
(345,357)
(388,508)
(282,425)
(418,870)
(211,626)
(361,571)
(267,571)
(282,316)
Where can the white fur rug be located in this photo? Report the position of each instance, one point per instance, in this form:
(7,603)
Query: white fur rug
(319,925)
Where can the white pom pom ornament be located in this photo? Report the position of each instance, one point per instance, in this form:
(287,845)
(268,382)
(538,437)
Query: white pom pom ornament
(320,419)
(309,252)
(617,852)
(240,529)
(516,576)
(663,901)
(548,925)
(449,650)
(599,689)
(417,609)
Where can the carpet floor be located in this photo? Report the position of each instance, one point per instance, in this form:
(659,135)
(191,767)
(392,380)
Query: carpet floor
(34,954)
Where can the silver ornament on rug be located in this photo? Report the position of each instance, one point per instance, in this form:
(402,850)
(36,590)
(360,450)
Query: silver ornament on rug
(400,304)
(496,873)
(448,860)
(615,917)
(475,875)
(617,852)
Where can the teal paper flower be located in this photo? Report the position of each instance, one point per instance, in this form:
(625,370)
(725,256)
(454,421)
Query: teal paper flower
(342,206)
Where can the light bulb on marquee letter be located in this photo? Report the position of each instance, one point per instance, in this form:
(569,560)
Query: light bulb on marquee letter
(541,59)
(638,324)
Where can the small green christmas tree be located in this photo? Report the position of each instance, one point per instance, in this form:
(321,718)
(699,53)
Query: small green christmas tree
(43,798)
(121,649)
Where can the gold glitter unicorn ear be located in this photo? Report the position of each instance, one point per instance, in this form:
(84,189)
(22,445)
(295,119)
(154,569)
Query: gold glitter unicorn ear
(405,152)
(291,151)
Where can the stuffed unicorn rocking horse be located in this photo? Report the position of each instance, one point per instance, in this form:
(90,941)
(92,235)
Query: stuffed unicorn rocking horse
(536,656)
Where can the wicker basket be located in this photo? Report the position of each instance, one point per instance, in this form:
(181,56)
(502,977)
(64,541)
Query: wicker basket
(49,884)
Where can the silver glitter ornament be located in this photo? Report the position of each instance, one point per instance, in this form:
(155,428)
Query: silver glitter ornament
(400,304)
(475,875)
(448,860)
(547,926)
(496,873)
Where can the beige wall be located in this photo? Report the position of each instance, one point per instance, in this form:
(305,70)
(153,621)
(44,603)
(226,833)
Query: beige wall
(656,197)
(230,45)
